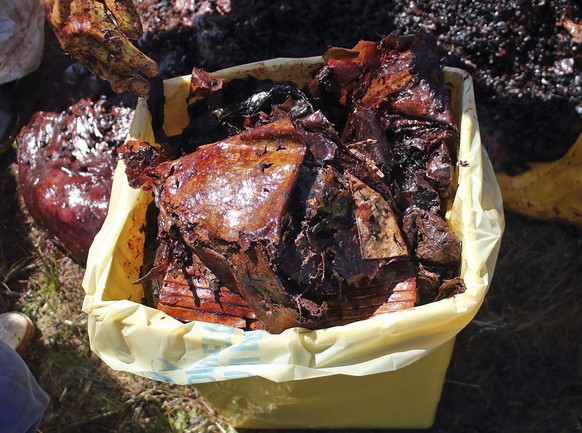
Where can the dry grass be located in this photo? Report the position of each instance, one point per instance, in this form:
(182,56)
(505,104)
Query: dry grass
(86,395)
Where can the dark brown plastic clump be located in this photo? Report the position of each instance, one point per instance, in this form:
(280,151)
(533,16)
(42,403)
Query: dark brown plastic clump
(274,217)
(66,162)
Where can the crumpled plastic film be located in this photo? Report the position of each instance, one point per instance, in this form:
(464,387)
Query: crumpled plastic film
(132,337)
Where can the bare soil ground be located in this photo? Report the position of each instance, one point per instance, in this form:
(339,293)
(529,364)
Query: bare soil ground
(516,368)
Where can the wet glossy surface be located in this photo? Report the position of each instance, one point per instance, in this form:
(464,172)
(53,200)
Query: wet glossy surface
(66,164)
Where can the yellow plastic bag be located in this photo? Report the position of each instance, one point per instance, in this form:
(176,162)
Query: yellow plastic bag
(547,190)
(404,355)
